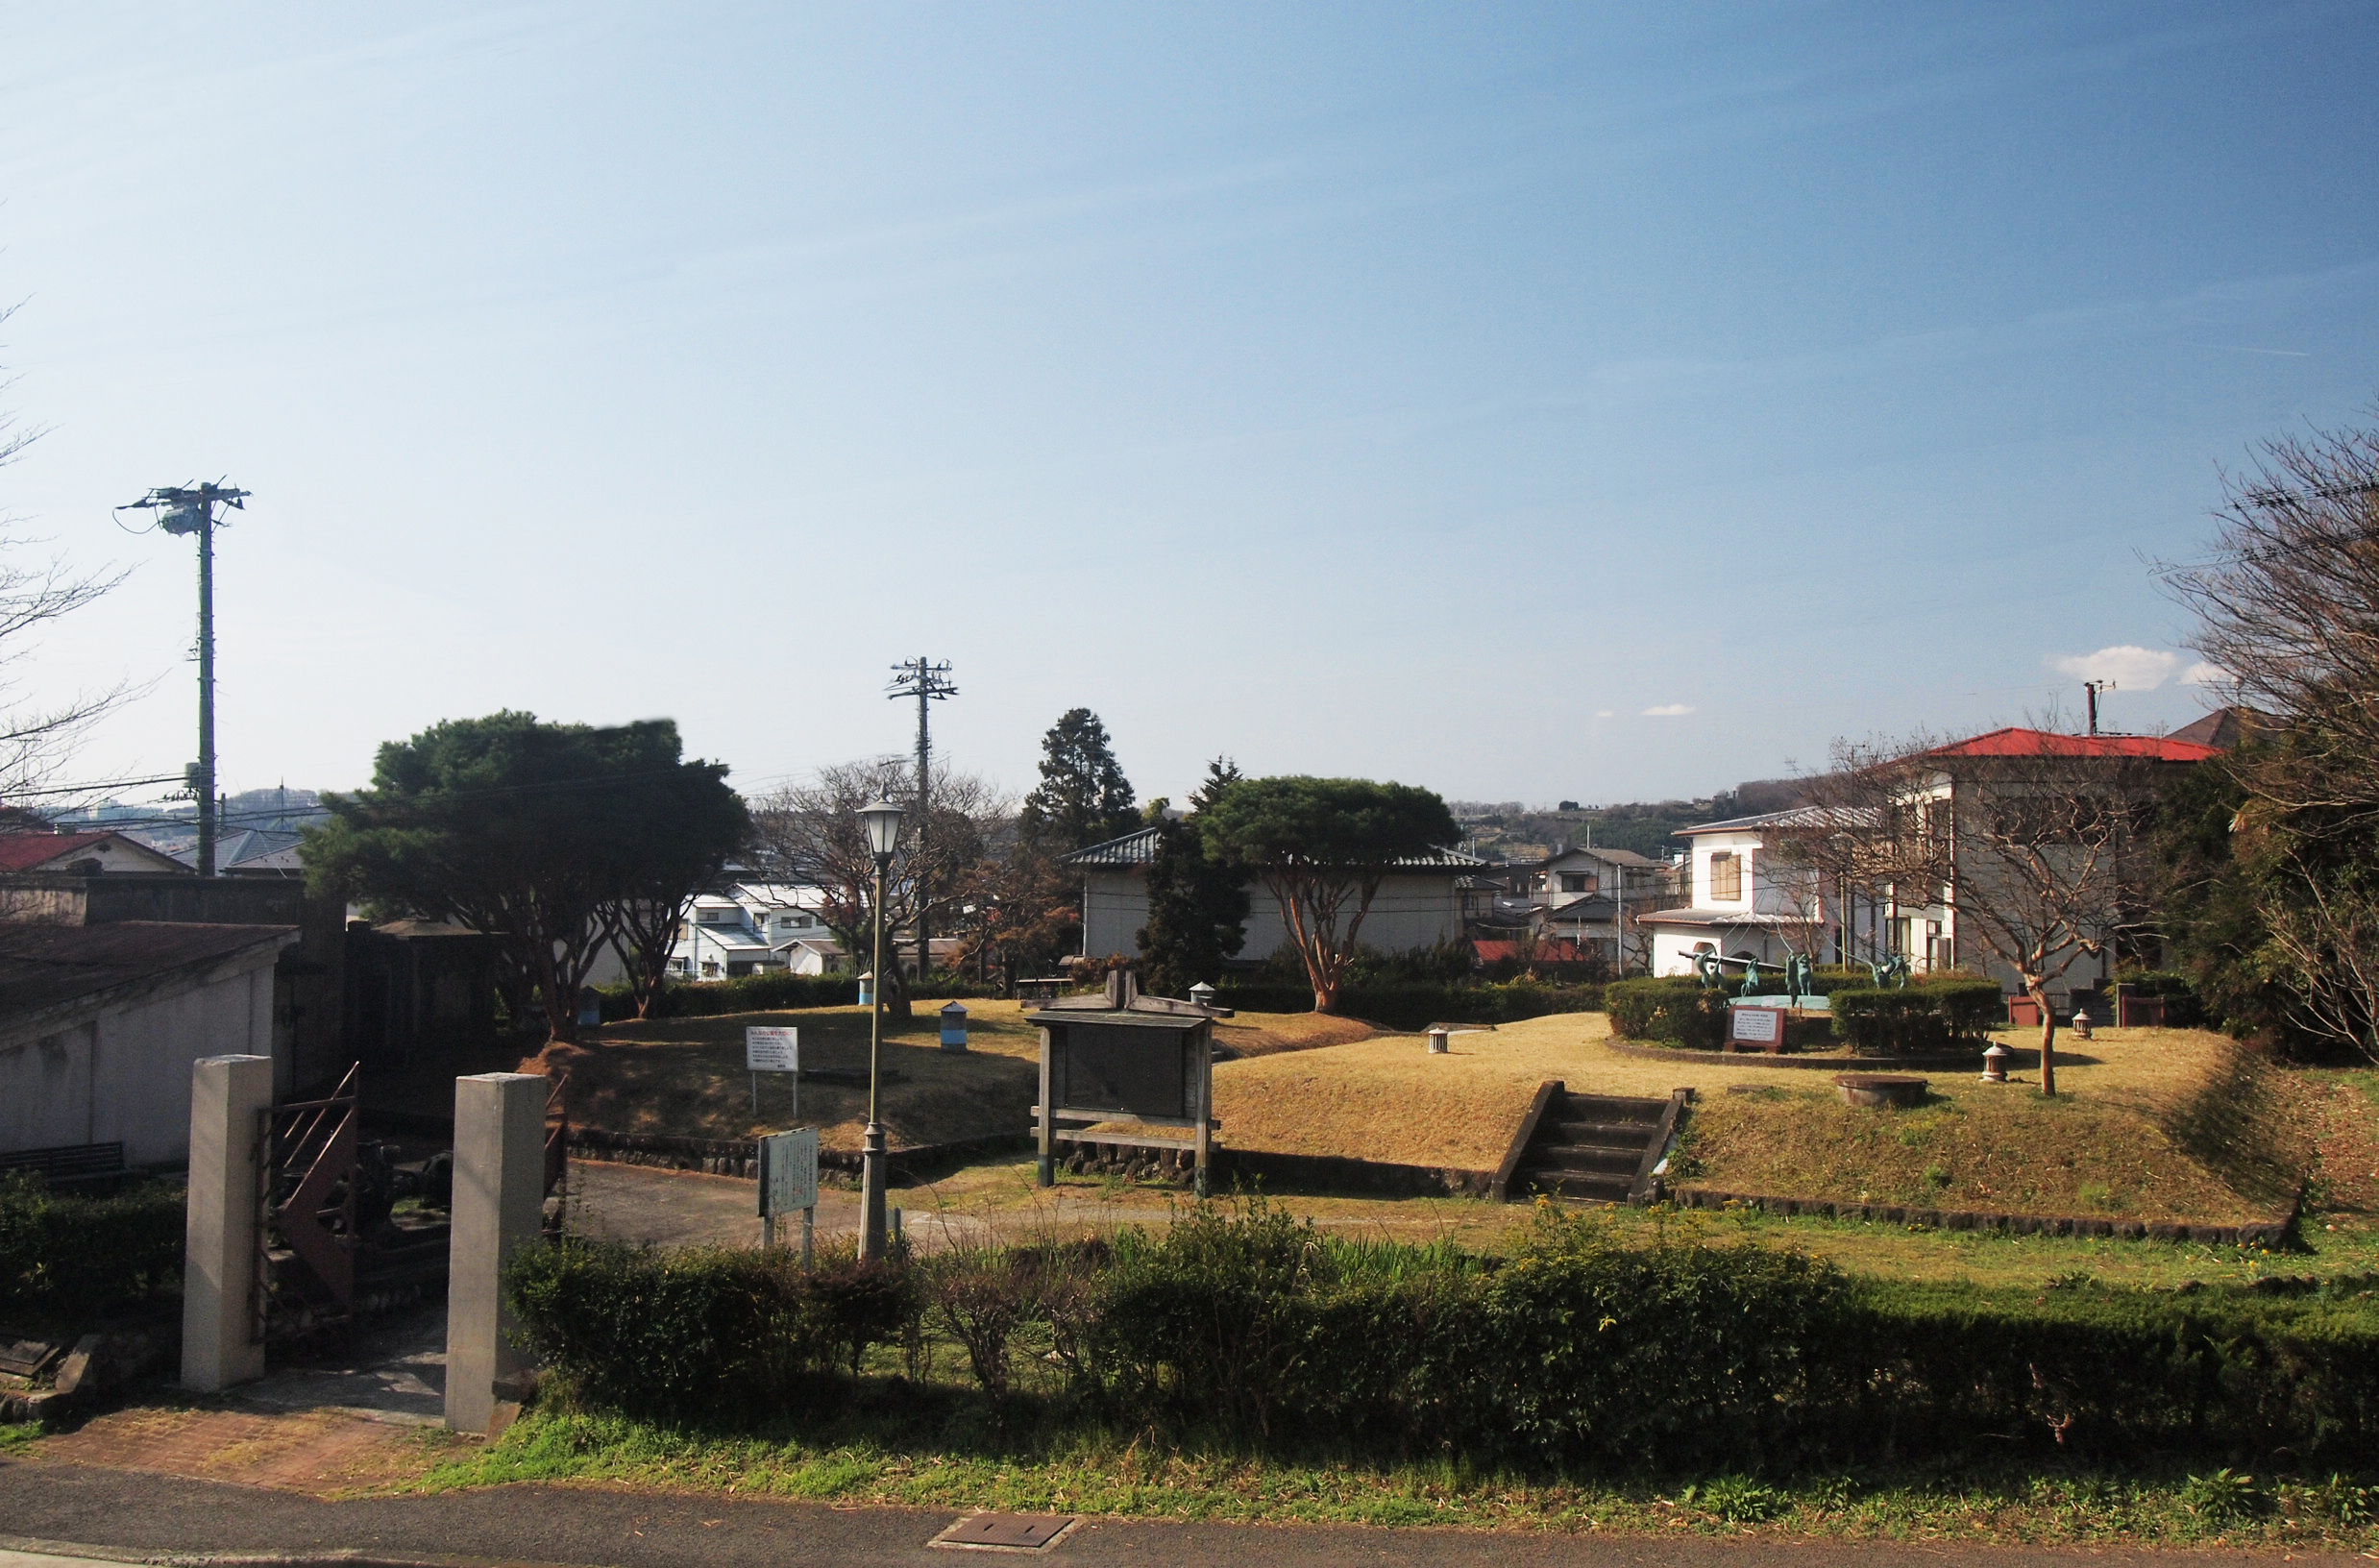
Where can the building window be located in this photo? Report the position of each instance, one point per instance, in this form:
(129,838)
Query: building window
(1725,877)
(1577,881)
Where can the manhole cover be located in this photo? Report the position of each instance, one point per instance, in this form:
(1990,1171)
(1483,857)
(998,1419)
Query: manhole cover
(1007,1531)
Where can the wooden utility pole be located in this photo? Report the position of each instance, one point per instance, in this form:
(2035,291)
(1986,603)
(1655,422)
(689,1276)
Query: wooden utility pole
(929,683)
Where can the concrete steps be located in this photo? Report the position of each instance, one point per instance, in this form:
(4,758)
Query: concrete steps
(1599,1148)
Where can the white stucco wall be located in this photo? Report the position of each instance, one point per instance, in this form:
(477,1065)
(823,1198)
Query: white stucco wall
(121,1069)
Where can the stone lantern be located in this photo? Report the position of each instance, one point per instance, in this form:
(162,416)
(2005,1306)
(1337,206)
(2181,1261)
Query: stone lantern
(1994,1064)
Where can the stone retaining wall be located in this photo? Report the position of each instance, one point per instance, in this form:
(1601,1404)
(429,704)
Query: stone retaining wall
(2271,1232)
(1927,1061)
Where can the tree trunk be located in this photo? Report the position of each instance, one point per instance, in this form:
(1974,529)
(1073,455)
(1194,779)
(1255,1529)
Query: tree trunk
(1325,997)
(2037,991)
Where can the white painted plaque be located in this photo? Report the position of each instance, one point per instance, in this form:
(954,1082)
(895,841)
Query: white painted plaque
(1755,1025)
(789,1171)
(772,1050)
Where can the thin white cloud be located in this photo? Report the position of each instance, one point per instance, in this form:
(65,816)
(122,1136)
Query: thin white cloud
(1605,713)
(1669,710)
(2131,668)
(2205,672)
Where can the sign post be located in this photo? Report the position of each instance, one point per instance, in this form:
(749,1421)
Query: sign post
(789,1181)
(1760,1026)
(774,1050)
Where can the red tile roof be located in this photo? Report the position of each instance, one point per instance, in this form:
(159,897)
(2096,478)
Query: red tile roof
(2040,743)
(23,852)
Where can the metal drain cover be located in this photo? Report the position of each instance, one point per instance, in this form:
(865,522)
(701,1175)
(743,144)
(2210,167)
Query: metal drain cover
(1007,1531)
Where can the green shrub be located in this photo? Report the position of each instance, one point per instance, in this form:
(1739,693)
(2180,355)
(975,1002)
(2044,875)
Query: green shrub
(773,990)
(1418,1004)
(64,1257)
(1930,1017)
(1675,1010)
(700,1331)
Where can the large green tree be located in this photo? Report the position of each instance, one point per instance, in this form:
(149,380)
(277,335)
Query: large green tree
(552,840)
(1197,899)
(1322,848)
(1083,797)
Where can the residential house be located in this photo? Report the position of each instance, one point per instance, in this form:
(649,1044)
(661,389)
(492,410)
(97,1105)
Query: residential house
(748,927)
(1419,903)
(100,853)
(1593,896)
(1959,784)
(1742,903)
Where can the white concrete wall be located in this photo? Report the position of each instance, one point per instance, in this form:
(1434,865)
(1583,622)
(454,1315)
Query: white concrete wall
(122,1070)
(1411,910)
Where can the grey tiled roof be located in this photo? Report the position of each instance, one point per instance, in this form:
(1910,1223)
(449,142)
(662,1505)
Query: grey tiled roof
(1140,848)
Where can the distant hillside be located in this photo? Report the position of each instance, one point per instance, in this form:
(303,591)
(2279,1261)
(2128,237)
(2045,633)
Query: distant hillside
(1509,830)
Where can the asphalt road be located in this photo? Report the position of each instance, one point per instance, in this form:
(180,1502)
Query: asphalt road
(137,1516)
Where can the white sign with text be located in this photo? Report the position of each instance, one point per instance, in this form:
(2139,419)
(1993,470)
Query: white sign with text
(1755,1025)
(772,1050)
(787,1171)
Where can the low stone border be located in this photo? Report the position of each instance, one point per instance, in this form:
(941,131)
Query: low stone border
(1934,1061)
(2271,1234)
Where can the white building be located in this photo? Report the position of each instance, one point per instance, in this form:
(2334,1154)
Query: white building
(1740,903)
(1419,904)
(99,1025)
(751,926)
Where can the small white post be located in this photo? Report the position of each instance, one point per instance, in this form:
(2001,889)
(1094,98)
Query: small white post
(809,1237)
(499,1205)
(219,1342)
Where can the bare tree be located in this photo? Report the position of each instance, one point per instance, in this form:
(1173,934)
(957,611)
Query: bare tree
(2288,610)
(2038,850)
(811,833)
(39,738)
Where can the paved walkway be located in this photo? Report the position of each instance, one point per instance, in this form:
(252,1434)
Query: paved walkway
(126,1517)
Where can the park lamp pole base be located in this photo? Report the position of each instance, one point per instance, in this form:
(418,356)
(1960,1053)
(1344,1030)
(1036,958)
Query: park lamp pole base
(872,1193)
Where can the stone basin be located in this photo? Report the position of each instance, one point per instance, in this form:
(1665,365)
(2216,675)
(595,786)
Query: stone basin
(1880,1089)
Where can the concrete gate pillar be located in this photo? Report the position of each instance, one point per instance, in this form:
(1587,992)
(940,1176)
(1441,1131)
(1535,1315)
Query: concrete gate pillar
(219,1342)
(499,1203)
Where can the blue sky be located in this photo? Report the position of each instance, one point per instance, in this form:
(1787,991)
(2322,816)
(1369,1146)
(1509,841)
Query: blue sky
(1582,402)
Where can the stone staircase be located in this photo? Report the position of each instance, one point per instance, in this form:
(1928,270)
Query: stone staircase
(1598,1147)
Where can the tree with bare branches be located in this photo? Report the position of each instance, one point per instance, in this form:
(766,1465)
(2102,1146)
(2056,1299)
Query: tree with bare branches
(2286,904)
(38,737)
(811,833)
(2035,843)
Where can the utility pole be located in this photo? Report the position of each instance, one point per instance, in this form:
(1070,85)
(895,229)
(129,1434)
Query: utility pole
(191,509)
(929,683)
(2092,688)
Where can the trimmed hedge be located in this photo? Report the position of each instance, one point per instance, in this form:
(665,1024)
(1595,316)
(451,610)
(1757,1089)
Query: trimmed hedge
(64,1255)
(702,1331)
(1930,1017)
(1674,1010)
(1575,1351)
(1418,1004)
(771,990)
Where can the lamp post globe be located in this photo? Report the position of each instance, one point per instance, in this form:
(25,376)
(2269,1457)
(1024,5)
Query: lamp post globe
(882,820)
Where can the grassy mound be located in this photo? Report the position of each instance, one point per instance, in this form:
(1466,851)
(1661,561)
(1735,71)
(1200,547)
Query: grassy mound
(2223,1146)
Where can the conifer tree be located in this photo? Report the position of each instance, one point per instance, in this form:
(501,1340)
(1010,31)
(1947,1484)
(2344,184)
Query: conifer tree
(1083,797)
(1198,900)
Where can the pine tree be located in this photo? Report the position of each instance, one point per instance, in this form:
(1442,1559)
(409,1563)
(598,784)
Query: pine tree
(1197,902)
(1083,797)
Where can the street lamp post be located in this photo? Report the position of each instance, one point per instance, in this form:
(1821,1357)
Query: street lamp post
(883,824)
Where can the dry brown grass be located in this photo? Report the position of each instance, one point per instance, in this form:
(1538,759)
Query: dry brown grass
(2108,1145)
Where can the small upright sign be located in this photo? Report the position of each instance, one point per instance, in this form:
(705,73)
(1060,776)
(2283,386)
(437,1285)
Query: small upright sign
(774,1050)
(1760,1026)
(789,1183)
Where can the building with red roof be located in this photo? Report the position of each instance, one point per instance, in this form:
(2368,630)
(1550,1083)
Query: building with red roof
(99,853)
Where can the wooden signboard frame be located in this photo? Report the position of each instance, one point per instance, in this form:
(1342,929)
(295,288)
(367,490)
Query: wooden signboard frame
(1142,1062)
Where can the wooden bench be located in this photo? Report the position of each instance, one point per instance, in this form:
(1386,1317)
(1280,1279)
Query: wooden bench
(67,1162)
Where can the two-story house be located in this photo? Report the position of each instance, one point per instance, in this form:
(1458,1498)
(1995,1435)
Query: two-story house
(751,926)
(1595,897)
(1742,902)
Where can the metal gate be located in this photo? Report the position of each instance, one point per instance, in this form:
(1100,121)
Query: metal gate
(306,1248)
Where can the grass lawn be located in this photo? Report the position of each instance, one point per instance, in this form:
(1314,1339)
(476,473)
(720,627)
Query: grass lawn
(973,1464)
